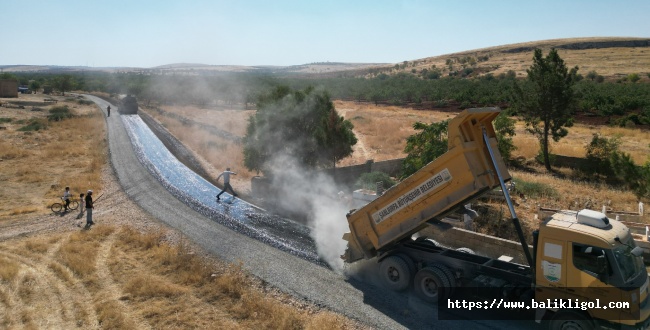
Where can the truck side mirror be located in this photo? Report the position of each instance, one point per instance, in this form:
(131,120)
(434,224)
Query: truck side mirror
(603,274)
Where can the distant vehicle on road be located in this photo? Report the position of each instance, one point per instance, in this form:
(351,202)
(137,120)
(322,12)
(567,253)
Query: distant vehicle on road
(129,105)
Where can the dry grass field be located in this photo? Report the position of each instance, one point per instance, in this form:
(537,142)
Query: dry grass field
(36,166)
(121,278)
(55,275)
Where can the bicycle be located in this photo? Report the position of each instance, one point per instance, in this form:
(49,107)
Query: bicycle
(58,207)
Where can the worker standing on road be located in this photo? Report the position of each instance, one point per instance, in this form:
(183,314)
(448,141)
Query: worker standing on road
(82,204)
(89,209)
(108,109)
(226,182)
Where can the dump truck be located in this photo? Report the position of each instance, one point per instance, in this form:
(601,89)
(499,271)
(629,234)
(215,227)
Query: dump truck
(580,257)
(128,105)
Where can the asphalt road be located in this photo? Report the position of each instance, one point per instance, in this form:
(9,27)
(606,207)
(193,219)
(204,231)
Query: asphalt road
(357,298)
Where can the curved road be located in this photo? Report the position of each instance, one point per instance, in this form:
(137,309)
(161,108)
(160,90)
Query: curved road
(357,299)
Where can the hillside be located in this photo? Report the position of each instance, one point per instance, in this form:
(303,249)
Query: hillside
(613,58)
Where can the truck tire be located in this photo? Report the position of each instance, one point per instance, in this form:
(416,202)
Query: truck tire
(396,273)
(466,250)
(410,264)
(570,320)
(451,279)
(431,285)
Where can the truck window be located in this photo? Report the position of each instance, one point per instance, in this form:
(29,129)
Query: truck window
(585,258)
(630,265)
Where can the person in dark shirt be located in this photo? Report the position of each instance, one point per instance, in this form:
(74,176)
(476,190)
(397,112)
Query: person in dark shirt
(89,209)
(66,198)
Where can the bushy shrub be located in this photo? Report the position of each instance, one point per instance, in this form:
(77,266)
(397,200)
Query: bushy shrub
(34,125)
(369,180)
(636,178)
(59,113)
(5,120)
(535,189)
(599,153)
(434,75)
(633,77)
(605,158)
(504,127)
(441,103)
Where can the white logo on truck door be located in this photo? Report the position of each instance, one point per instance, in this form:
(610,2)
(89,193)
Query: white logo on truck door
(434,182)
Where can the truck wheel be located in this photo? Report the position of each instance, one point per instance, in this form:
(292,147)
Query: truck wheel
(451,279)
(410,264)
(466,250)
(395,273)
(431,285)
(570,320)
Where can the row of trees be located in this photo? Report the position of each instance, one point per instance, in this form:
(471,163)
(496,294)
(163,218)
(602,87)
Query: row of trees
(62,83)
(621,103)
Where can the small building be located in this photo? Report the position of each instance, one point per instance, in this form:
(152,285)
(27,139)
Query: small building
(8,88)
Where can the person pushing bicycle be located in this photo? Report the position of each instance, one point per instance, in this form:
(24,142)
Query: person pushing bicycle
(66,198)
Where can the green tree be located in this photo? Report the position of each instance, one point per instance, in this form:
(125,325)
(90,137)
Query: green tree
(64,83)
(369,180)
(338,139)
(592,75)
(599,154)
(636,178)
(547,100)
(9,76)
(299,125)
(425,146)
(34,85)
(633,77)
(504,126)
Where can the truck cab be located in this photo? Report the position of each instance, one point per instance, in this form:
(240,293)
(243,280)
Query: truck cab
(584,257)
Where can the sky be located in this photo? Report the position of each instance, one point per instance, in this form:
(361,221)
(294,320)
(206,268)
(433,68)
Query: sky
(134,33)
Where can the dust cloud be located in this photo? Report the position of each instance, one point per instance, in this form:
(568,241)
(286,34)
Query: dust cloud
(317,196)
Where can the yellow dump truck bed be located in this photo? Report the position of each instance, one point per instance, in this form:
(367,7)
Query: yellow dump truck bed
(460,175)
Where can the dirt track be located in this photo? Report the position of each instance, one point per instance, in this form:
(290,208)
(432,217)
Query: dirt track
(45,282)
